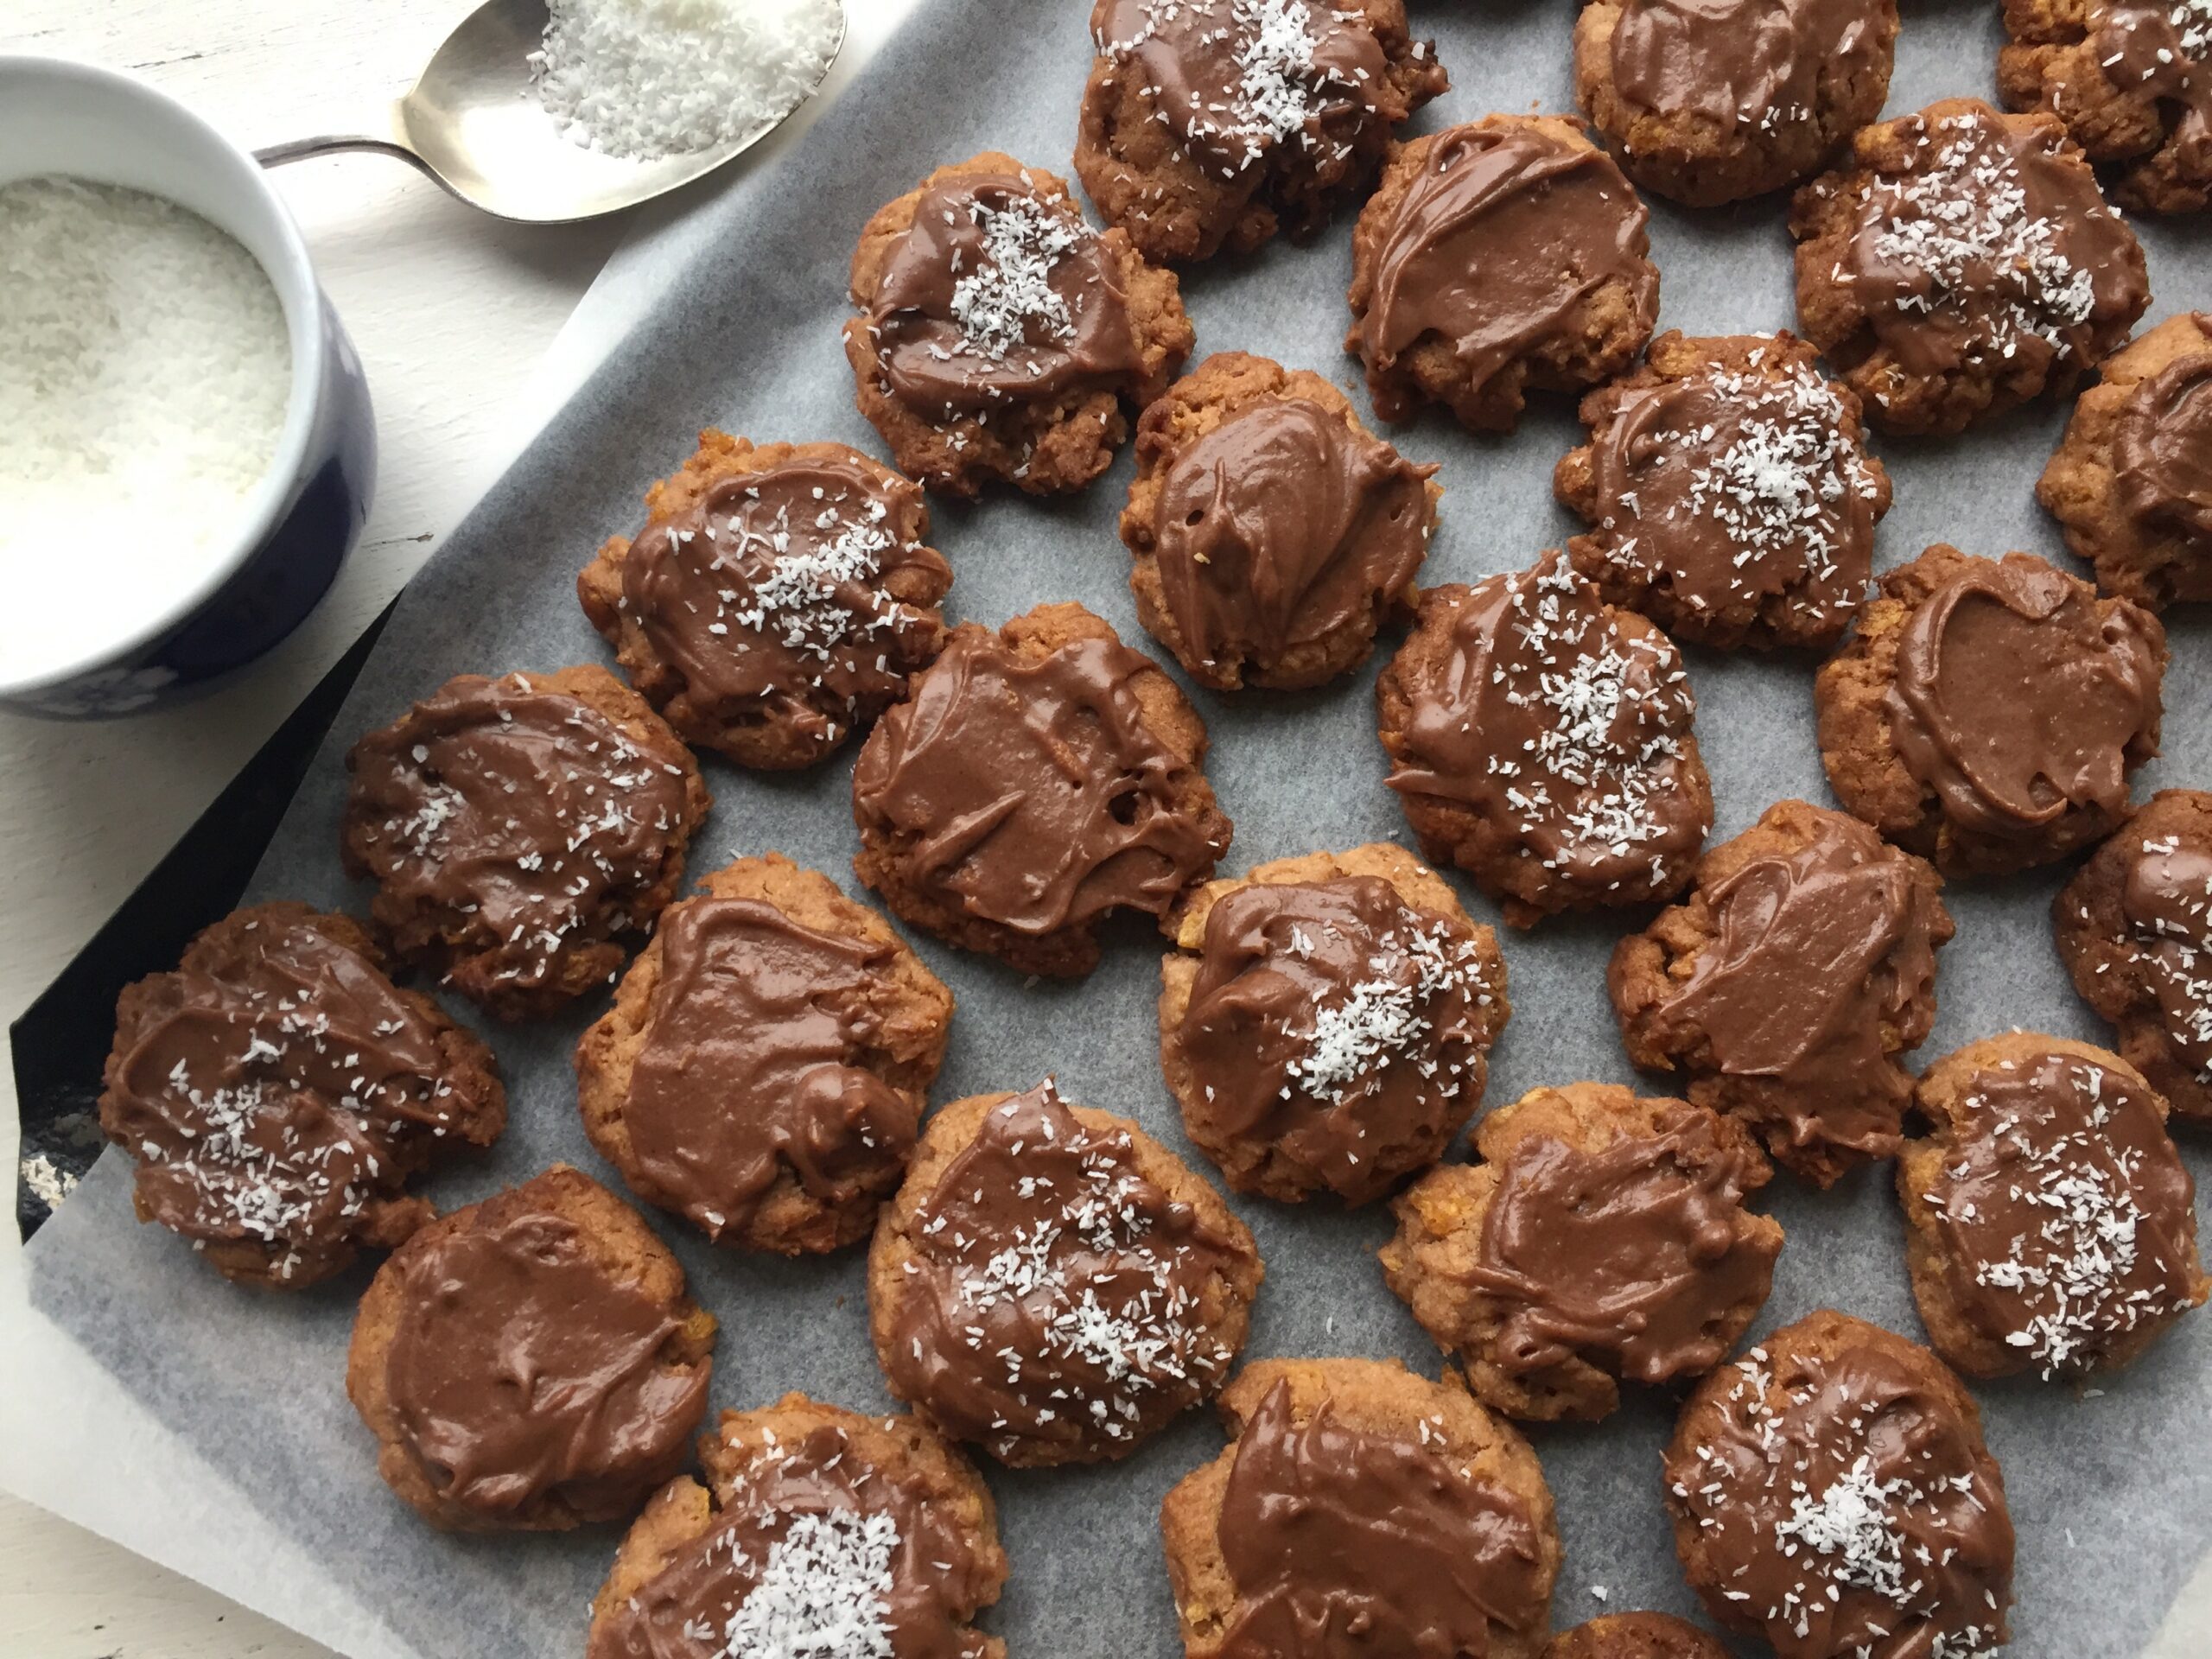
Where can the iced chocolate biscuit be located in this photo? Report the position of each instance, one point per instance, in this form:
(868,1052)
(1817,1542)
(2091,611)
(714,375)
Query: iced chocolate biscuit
(2134,929)
(765,1068)
(1962,264)
(998,334)
(1541,739)
(531,1362)
(1787,983)
(1273,532)
(1052,1284)
(1709,103)
(1360,1509)
(2049,1223)
(1988,713)
(1212,123)
(2132,481)
(1602,1237)
(1324,1021)
(2133,81)
(1497,258)
(1035,779)
(816,1532)
(520,830)
(1635,1636)
(1831,1495)
(1729,493)
(777,599)
(277,1090)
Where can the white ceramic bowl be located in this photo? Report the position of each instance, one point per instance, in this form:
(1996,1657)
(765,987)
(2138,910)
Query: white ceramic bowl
(300,521)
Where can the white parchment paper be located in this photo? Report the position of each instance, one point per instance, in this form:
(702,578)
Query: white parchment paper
(2111,1494)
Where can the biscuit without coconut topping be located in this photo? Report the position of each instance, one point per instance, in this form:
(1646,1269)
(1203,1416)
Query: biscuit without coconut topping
(767,1062)
(1419,1520)
(531,1362)
(1602,1237)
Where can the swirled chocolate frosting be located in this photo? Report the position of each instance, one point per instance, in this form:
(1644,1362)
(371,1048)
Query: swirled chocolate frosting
(1846,1508)
(2017,700)
(2166,897)
(269,1087)
(1237,83)
(998,296)
(522,1367)
(1814,951)
(2066,1214)
(1730,483)
(1740,63)
(753,1065)
(768,596)
(1631,1256)
(1550,718)
(2162,445)
(1036,795)
(525,816)
(1334,1021)
(1055,1296)
(1497,243)
(811,1535)
(1344,1543)
(1991,241)
(1281,525)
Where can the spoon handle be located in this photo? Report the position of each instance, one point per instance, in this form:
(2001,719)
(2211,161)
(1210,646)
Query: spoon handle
(386,132)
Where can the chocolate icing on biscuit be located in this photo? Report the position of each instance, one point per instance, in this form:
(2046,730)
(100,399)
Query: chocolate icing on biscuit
(524,1366)
(1814,951)
(1343,1542)
(525,816)
(1632,1251)
(1730,482)
(1236,82)
(2162,445)
(1335,1023)
(1552,718)
(1496,243)
(1038,796)
(2162,51)
(2065,1213)
(751,1066)
(998,296)
(1282,524)
(266,1089)
(1055,1296)
(809,1534)
(1845,1505)
(768,596)
(2017,700)
(1990,243)
(1739,63)
(2166,897)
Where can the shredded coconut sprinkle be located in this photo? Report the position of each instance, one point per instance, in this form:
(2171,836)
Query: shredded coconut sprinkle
(1009,301)
(1963,224)
(646,79)
(824,1593)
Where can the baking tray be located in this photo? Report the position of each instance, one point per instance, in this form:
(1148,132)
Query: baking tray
(2112,1492)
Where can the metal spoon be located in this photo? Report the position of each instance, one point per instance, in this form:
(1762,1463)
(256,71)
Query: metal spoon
(472,122)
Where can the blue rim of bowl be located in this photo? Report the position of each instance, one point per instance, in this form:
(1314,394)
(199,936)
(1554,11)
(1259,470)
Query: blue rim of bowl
(298,292)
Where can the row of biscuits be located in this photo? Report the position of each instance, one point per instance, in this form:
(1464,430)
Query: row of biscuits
(534,1360)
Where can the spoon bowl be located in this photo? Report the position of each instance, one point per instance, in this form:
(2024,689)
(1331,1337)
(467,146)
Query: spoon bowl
(472,122)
